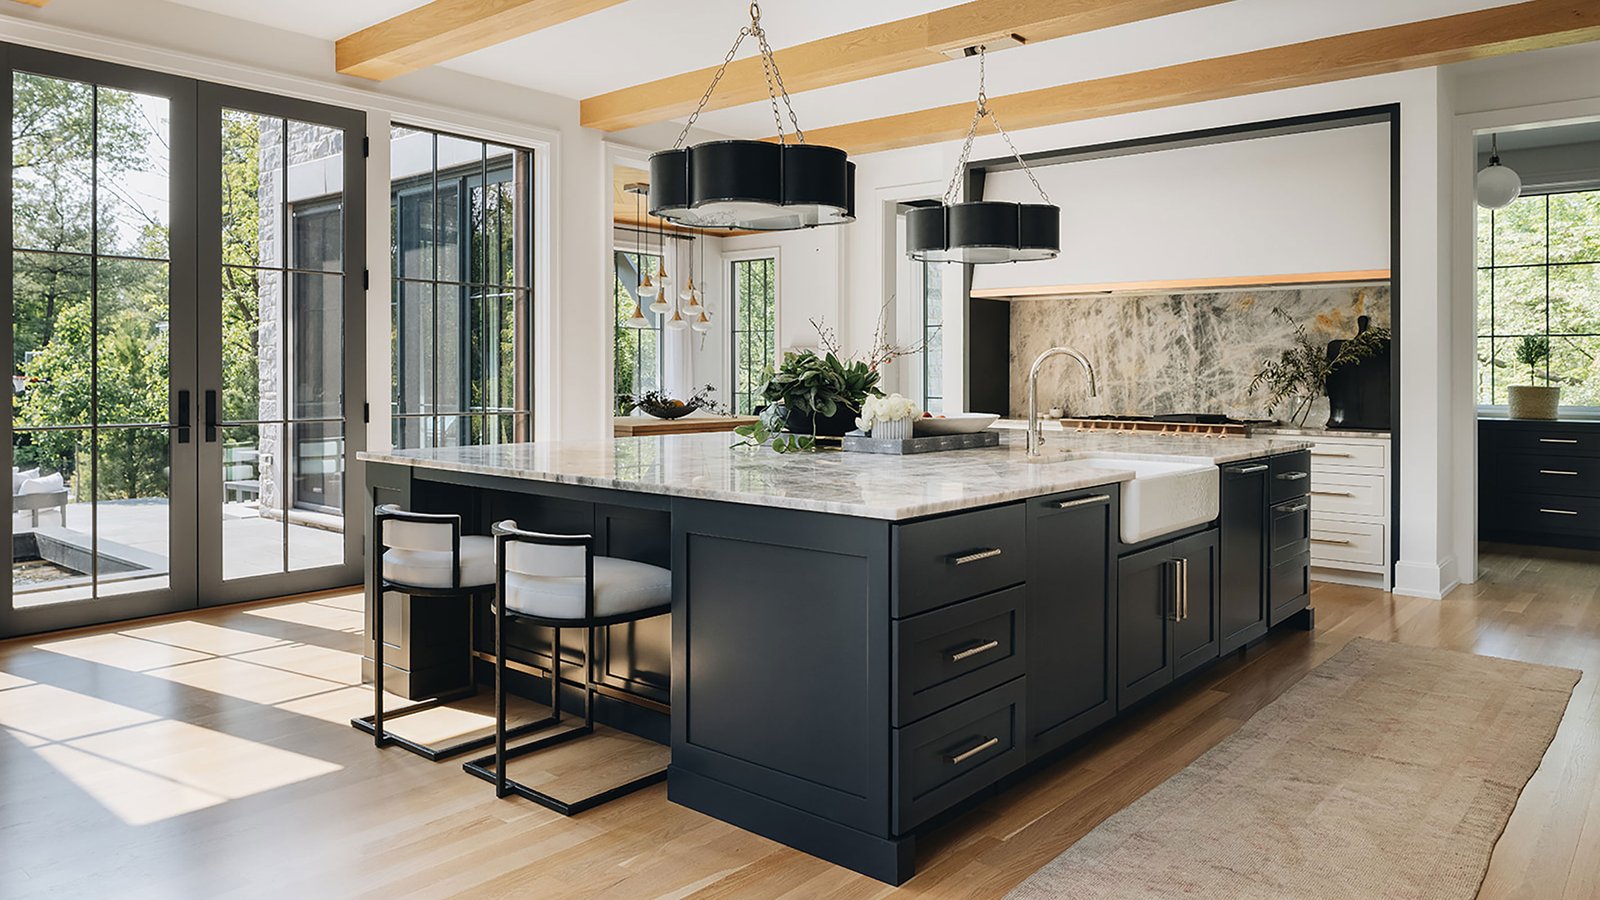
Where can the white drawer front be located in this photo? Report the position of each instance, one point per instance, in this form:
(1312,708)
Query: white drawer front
(1338,492)
(1333,543)
(1350,455)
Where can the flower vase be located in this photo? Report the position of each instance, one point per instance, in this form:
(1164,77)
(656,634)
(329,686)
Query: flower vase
(894,429)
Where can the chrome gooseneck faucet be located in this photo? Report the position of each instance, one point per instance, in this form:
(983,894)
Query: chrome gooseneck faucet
(1035,439)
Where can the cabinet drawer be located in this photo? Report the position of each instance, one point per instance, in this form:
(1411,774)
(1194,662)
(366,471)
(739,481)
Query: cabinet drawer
(1289,529)
(951,654)
(1551,440)
(1290,587)
(1357,495)
(1350,456)
(1334,543)
(1576,476)
(1557,515)
(940,561)
(953,754)
(1291,476)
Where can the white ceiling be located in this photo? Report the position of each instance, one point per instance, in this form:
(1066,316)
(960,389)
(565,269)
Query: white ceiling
(642,40)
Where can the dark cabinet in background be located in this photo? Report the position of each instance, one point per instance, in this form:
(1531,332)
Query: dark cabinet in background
(1242,535)
(1539,482)
(1071,588)
(1166,614)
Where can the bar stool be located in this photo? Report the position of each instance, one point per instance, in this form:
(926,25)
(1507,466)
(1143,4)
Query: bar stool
(424,555)
(557,581)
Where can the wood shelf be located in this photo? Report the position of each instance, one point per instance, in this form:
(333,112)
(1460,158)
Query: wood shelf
(1183,285)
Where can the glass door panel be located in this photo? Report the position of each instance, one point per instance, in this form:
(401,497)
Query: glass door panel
(98,466)
(274,467)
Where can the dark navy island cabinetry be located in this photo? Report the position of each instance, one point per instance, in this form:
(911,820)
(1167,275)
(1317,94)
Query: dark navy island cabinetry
(840,678)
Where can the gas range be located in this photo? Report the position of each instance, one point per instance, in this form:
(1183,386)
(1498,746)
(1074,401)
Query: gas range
(1172,423)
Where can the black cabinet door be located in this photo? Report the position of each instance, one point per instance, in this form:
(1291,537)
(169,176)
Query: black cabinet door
(1242,600)
(1071,581)
(1146,598)
(1195,636)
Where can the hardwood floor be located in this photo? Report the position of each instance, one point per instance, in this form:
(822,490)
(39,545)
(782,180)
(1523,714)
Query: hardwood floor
(209,755)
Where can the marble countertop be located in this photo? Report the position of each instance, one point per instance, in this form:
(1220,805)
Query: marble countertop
(708,467)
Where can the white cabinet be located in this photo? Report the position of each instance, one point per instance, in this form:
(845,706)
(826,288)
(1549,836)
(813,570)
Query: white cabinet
(1350,527)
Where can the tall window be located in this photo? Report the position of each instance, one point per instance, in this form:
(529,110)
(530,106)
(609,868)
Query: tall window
(755,316)
(932,337)
(462,306)
(637,359)
(1539,274)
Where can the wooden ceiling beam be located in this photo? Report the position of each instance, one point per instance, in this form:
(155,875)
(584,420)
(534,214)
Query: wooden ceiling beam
(1502,30)
(866,52)
(33,2)
(446,29)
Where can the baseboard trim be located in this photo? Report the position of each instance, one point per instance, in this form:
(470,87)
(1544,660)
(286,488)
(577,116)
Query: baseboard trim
(1430,581)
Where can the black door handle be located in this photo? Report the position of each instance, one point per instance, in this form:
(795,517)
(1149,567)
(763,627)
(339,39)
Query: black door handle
(211,417)
(183,417)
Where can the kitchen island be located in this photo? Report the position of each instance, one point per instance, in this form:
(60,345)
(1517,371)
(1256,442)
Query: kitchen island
(861,643)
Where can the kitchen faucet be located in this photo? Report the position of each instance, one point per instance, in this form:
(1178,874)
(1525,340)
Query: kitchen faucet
(1035,439)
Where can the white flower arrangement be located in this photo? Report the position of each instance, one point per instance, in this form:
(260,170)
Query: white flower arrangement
(894,411)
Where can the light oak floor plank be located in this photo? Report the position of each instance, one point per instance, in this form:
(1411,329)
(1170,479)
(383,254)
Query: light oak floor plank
(209,755)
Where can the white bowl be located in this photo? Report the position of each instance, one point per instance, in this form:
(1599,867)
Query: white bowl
(955,423)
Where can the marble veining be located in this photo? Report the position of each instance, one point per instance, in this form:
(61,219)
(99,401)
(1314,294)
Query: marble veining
(708,467)
(1176,353)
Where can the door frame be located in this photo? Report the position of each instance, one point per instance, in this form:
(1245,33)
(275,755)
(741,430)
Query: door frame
(182,571)
(213,99)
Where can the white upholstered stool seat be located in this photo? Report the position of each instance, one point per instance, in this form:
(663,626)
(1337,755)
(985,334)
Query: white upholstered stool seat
(431,568)
(621,586)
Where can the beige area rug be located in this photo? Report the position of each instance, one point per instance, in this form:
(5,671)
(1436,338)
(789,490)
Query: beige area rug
(1387,772)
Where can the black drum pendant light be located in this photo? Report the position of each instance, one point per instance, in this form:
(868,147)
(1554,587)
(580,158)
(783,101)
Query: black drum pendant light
(984,231)
(753,185)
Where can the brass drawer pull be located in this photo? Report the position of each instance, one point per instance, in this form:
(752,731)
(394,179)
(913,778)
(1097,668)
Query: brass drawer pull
(975,556)
(969,753)
(1084,501)
(1335,455)
(1183,594)
(974,650)
(1332,494)
(1558,440)
(1556,472)
(1317,540)
(1248,470)
(1291,476)
(1559,512)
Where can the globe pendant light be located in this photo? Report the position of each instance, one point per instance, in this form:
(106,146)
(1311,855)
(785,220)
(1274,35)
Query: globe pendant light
(753,185)
(984,231)
(1497,185)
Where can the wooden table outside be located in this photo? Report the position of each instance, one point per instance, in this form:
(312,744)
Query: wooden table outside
(637,426)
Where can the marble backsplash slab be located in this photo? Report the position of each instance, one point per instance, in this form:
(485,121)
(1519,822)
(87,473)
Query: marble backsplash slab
(1175,353)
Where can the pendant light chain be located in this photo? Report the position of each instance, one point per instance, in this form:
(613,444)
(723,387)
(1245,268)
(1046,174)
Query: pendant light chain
(978,114)
(775,88)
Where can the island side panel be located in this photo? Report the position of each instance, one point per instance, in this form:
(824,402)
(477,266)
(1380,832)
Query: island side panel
(781,682)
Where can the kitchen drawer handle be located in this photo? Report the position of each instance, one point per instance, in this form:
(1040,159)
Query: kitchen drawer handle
(1301,507)
(974,650)
(1183,592)
(1084,501)
(959,758)
(1317,540)
(1291,476)
(1559,512)
(1248,470)
(975,556)
(1335,455)
(1556,472)
(1558,440)
(1332,494)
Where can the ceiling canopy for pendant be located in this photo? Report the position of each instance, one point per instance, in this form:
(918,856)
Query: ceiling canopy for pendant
(984,231)
(753,185)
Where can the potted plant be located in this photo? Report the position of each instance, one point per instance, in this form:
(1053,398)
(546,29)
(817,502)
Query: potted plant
(1532,401)
(820,394)
(1300,374)
(889,417)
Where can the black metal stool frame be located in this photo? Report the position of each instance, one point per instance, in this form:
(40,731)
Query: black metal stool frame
(373,724)
(493,768)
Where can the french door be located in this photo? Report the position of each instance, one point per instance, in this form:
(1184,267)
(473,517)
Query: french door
(136,487)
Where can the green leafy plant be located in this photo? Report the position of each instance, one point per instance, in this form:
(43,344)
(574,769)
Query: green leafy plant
(1300,374)
(1532,350)
(663,406)
(767,430)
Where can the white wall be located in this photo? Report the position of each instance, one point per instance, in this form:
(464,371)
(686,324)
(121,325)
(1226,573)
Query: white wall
(1314,202)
